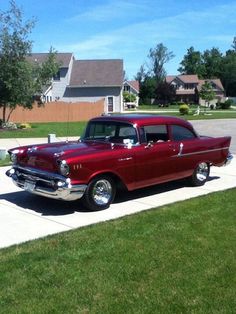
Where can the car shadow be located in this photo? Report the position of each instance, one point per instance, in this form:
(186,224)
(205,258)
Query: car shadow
(50,207)
(43,205)
(124,195)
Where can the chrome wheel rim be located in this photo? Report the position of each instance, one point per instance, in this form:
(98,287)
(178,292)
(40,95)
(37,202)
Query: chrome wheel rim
(202,171)
(102,192)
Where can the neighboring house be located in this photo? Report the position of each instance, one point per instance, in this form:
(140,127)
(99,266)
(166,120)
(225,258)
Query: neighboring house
(132,87)
(217,88)
(85,80)
(187,88)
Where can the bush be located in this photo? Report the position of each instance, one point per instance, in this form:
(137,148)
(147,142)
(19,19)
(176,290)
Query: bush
(24,126)
(227,104)
(184,109)
(8,125)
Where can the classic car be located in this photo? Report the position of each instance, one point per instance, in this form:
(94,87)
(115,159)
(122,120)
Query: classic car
(130,151)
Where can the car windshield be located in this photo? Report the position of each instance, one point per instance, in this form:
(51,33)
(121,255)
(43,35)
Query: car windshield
(114,132)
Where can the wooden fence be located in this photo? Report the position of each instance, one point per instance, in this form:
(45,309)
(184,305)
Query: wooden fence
(59,112)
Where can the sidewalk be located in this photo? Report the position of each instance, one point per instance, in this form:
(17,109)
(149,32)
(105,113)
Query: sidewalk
(15,142)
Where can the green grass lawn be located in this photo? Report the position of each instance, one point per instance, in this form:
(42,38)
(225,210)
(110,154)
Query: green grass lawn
(62,129)
(5,162)
(210,115)
(43,129)
(179,258)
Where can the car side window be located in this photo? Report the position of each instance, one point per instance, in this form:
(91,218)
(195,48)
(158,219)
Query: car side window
(155,133)
(180,133)
(128,133)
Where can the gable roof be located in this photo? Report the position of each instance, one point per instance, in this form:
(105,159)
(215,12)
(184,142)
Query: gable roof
(62,58)
(184,78)
(99,73)
(217,82)
(133,84)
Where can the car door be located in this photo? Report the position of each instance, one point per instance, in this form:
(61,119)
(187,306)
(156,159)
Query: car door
(153,157)
(185,145)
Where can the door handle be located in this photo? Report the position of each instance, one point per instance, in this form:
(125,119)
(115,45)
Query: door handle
(149,145)
(181,146)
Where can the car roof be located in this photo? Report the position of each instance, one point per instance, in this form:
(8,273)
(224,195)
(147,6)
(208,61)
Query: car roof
(143,119)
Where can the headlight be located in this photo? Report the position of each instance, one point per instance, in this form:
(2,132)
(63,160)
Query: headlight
(64,168)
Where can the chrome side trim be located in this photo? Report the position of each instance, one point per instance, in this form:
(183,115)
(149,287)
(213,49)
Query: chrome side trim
(201,152)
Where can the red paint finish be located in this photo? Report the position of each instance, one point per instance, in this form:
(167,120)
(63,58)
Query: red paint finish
(137,150)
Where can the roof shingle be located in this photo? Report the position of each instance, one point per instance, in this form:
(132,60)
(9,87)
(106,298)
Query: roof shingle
(184,78)
(62,58)
(97,73)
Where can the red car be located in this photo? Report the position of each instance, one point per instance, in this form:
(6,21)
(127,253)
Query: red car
(132,151)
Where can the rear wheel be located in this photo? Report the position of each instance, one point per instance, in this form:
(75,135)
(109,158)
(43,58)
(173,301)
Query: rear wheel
(200,174)
(100,193)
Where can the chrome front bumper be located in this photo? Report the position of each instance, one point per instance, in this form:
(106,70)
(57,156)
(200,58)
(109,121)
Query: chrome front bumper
(46,184)
(228,159)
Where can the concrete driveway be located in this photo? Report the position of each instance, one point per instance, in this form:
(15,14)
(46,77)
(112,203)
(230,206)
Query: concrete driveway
(25,217)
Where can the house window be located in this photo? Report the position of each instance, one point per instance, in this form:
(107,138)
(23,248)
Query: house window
(189,86)
(57,76)
(110,103)
(126,88)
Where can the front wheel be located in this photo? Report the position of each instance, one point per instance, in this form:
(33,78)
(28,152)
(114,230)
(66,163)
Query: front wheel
(200,174)
(100,193)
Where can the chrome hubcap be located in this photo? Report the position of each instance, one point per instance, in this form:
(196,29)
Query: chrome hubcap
(102,192)
(202,171)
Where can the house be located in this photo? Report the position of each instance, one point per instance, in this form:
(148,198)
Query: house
(131,87)
(217,88)
(85,80)
(187,88)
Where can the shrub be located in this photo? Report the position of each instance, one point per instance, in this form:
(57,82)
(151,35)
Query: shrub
(25,126)
(8,125)
(227,104)
(184,109)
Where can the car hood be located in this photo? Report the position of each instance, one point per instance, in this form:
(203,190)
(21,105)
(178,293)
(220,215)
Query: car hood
(45,156)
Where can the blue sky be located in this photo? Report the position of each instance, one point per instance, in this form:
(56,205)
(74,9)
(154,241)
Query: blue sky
(127,29)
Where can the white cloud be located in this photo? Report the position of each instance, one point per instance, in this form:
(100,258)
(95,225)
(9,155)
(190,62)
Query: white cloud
(112,10)
(207,27)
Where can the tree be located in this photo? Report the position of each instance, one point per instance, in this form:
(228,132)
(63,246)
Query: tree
(20,80)
(212,64)
(128,97)
(147,90)
(141,75)
(228,75)
(212,61)
(152,72)
(192,63)
(234,43)
(158,57)
(165,92)
(207,93)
